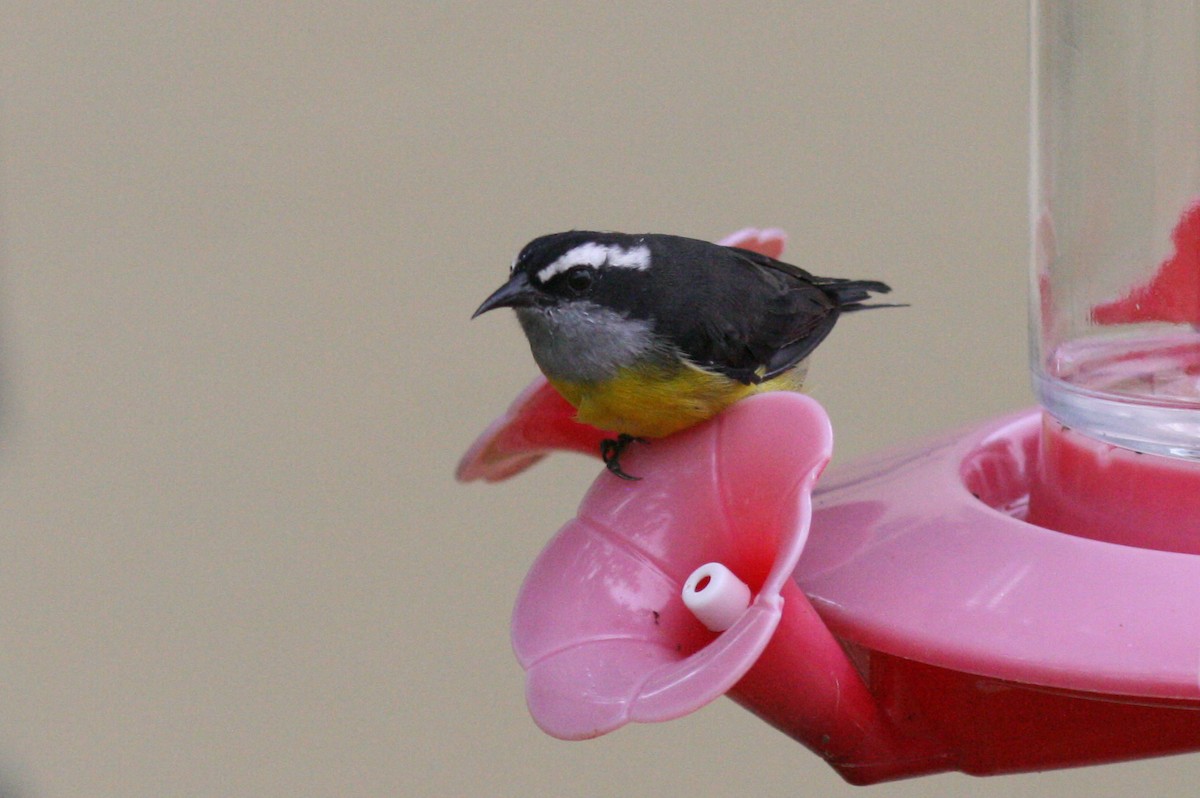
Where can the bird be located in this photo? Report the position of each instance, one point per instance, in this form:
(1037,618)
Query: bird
(648,334)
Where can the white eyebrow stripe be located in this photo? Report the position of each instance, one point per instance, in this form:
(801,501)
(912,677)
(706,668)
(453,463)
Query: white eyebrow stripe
(596,255)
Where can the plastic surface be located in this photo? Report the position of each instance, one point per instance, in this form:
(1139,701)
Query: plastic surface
(905,618)
(600,625)
(1096,490)
(939,630)
(905,560)
(538,422)
(715,595)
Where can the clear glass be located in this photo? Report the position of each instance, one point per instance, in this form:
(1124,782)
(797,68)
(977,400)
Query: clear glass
(1115,219)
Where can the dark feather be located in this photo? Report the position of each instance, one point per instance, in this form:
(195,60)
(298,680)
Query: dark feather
(725,309)
(778,315)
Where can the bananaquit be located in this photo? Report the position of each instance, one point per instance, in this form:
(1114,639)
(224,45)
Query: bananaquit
(649,334)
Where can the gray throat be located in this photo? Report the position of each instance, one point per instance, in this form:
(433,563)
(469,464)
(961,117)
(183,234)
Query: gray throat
(584,342)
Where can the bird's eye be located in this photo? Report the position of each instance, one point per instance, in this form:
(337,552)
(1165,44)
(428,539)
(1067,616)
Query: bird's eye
(579,280)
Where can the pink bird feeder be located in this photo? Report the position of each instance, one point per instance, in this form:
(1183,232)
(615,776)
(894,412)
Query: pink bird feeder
(1018,595)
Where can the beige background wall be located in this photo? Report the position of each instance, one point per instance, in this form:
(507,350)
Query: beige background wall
(240,243)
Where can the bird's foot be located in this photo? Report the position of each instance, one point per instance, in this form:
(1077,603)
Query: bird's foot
(610,453)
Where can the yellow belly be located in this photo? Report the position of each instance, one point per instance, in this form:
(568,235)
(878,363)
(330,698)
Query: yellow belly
(653,402)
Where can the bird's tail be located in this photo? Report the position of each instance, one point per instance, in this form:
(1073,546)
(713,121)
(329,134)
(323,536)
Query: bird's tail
(851,294)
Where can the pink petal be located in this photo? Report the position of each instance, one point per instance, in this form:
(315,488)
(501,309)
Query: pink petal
(600,625)
(538,422)
(765,241)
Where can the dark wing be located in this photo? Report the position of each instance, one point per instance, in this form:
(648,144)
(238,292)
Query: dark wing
(850,294)
(732,311)
(775,315)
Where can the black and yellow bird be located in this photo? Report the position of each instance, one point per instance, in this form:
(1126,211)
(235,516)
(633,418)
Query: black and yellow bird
(649,334)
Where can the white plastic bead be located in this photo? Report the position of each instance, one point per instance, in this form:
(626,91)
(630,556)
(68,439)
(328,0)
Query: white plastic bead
(716,596)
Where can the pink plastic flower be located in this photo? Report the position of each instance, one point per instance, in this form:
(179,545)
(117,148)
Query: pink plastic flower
(600,625)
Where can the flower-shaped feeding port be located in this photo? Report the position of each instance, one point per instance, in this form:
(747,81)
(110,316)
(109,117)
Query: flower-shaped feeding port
(600,624)
(952,634)
(538,422)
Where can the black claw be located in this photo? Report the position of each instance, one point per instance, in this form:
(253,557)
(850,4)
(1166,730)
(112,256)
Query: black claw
(610,453)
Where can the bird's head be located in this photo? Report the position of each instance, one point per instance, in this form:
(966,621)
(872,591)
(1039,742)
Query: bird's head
(577,266)
(580,297)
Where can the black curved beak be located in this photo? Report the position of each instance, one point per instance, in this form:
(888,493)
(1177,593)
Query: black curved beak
(516,293)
